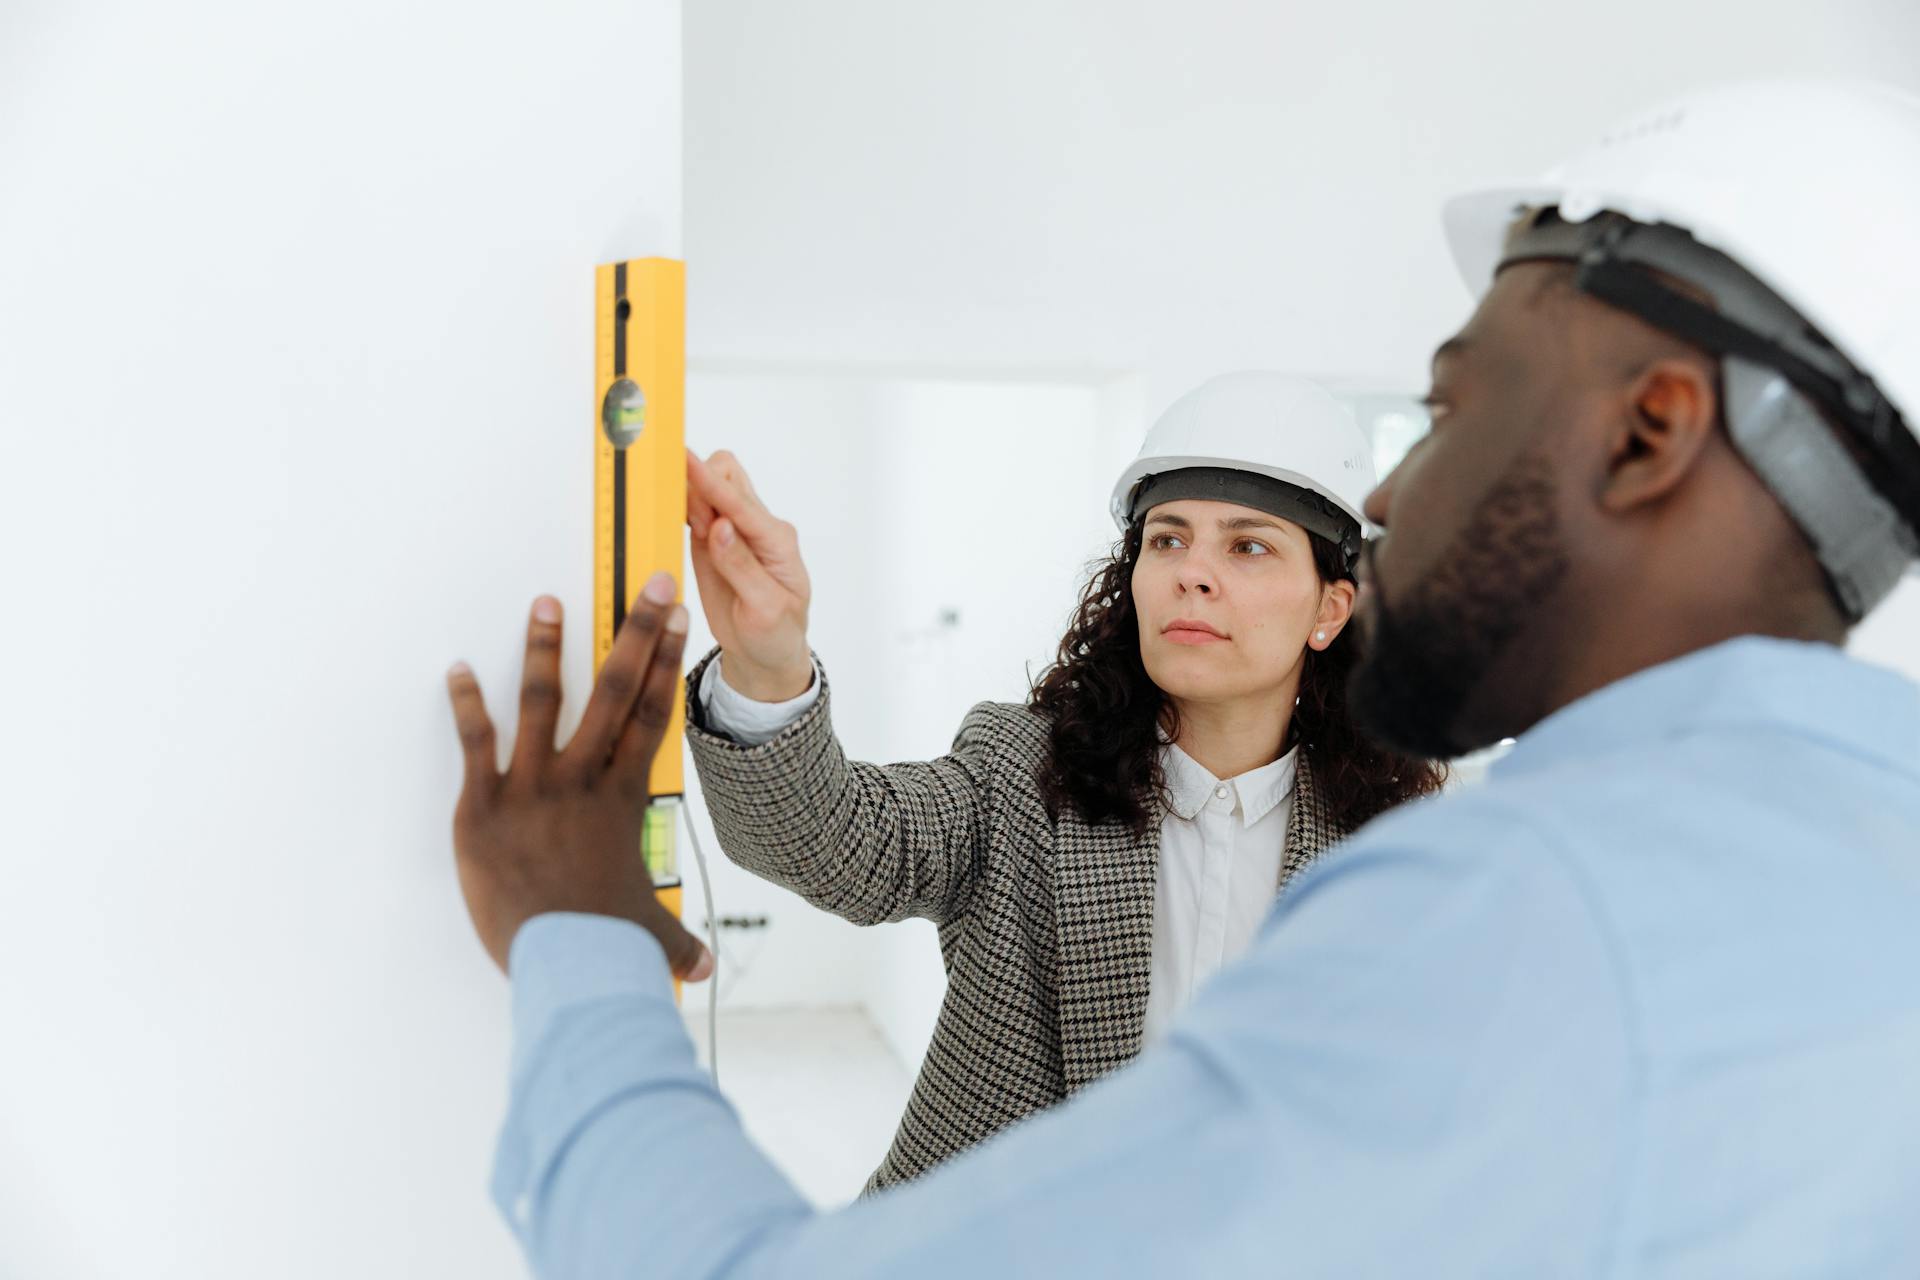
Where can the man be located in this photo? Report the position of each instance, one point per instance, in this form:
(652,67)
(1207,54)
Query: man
(1645,1004)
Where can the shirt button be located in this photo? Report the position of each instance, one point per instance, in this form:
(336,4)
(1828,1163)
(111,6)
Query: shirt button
(1221,792)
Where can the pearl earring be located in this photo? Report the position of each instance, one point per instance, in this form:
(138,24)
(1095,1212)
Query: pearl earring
(1321,636)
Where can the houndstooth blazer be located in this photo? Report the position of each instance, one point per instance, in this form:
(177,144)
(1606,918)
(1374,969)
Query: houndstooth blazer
(1046,927)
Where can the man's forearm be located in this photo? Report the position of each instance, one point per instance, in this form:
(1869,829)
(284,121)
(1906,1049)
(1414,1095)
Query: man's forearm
(619,1157)
(621,1160)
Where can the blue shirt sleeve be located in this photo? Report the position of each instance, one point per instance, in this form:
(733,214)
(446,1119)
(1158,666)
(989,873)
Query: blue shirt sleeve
(1424,1066)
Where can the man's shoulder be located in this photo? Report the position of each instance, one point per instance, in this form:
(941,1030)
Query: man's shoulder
(1461,826)
(1463,861)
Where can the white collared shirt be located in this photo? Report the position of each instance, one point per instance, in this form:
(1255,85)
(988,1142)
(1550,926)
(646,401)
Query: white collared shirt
(1222,844)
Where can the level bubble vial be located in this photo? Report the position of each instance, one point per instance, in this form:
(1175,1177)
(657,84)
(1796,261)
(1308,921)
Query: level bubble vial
(623,413)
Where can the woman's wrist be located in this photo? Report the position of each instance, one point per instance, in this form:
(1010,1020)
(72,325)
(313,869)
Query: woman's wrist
(767,684)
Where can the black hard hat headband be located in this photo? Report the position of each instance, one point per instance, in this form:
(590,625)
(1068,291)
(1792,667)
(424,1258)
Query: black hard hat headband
(1311,511)
(1613,255)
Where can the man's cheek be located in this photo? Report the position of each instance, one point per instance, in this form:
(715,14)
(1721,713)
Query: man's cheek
(1428,508)
(1409,541)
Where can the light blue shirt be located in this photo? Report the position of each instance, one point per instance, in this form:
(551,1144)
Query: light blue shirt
(1647,1004)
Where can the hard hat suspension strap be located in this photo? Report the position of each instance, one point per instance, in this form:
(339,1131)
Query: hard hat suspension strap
(1276,497)
(1860,511)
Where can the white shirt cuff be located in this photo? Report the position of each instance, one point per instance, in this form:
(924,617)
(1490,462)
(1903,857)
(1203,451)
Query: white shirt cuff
(747,722)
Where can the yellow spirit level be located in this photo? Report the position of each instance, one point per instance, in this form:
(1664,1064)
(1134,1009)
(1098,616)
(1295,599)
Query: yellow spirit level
(640,491)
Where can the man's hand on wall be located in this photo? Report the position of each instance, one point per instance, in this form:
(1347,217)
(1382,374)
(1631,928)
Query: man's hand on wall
(560,829)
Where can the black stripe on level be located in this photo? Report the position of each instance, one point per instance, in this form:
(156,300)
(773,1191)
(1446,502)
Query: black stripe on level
(619,317)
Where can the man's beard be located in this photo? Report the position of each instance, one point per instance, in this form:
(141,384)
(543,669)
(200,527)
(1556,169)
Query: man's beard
(1429,649)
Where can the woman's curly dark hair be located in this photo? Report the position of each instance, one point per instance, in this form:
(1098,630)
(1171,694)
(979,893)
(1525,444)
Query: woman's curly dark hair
(1106,713)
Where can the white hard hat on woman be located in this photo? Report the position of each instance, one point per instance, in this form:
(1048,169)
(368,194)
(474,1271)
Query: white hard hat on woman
(1271,441)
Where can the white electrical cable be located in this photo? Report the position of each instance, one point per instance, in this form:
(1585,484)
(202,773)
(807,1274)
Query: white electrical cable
(713,945)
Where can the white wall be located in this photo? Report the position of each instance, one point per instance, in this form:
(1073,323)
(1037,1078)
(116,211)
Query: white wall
(295,368)
(1891,635)
(1171,190)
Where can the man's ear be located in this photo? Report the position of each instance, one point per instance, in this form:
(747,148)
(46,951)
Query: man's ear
(1671,413)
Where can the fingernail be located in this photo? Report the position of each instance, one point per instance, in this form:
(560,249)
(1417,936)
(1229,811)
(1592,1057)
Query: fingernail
(702,968)
(546,609)
(723,532)
(458,670)
(677,621)
(659,588)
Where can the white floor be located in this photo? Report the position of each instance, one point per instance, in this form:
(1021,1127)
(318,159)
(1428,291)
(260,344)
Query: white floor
(818,1089)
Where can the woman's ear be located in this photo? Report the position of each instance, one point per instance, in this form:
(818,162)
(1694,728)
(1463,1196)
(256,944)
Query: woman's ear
(1336,608)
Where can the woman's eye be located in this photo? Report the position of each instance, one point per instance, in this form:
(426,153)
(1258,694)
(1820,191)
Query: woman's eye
(1247,546)
(1164,542)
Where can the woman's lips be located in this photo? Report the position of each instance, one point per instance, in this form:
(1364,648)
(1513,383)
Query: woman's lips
(1194,633)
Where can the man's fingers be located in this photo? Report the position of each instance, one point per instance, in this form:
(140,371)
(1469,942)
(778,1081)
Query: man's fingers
(475,727)
(621,676)
(687,956)
(719,490)
(653,709)
(539,687)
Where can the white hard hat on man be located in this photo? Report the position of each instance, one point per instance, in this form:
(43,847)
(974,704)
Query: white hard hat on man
(1816,321)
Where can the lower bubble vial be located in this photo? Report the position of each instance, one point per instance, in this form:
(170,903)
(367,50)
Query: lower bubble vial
(658,842)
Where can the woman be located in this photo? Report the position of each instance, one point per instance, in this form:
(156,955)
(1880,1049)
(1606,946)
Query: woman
(1091,857)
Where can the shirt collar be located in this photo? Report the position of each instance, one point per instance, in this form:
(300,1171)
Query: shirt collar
(1743,685)
(1260,791)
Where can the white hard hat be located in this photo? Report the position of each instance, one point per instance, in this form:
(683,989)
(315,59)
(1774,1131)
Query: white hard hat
(1812,190)
(1272,425)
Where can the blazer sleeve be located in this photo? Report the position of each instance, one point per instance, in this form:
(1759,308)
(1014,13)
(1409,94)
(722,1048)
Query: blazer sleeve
(870,843)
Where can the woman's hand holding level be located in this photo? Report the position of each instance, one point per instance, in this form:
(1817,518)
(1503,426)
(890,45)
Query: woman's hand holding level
(753,585)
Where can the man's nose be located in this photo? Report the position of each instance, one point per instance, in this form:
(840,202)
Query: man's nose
(1380,500)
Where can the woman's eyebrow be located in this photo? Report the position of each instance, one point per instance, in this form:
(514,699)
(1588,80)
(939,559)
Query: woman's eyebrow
(1225,522)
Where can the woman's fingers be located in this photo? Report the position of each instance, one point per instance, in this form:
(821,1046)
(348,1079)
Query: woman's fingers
(716,487)
(757,590)
(699,510)
(732,469)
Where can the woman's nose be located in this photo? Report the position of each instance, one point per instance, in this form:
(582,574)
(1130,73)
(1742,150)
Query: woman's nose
(1195,575)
